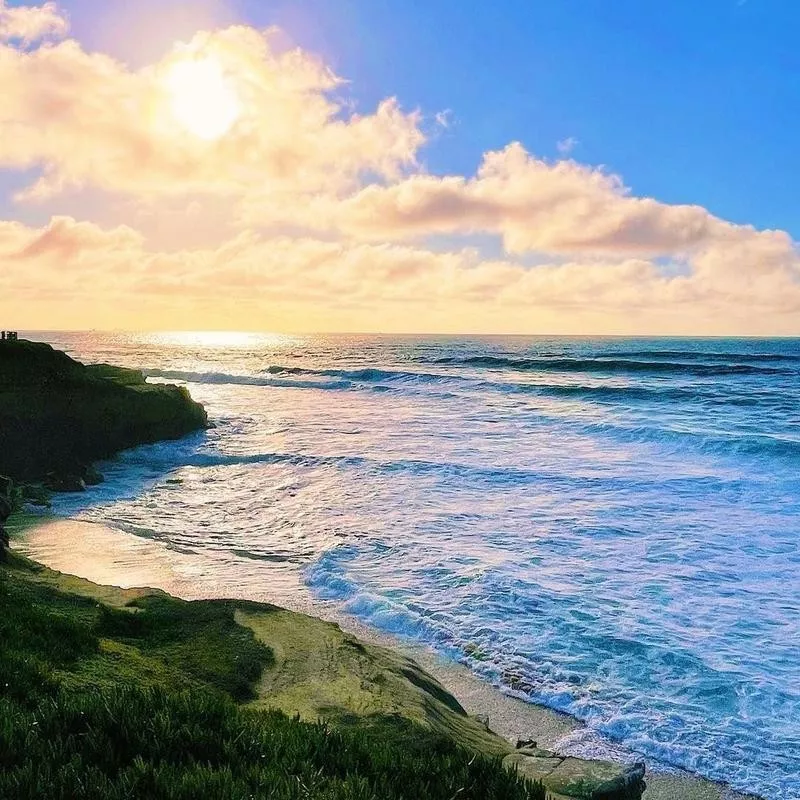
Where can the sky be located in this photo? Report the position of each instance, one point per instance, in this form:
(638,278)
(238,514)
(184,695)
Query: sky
(579,167)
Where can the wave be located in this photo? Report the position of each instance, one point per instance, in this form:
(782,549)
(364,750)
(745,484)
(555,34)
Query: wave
(715,444)
(710,355)
(605,365)
(627,394)
(332,378)
(363,375)
(162,457)
(224,378)
(393,380)
(410,466)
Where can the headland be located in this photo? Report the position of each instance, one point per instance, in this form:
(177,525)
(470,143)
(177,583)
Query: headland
(330,712)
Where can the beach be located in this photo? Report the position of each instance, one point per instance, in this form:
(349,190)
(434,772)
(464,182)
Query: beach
(606,527)
(114,558)
(570,521)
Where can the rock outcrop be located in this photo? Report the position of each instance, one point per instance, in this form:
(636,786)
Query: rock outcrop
(577,778)
(57,415)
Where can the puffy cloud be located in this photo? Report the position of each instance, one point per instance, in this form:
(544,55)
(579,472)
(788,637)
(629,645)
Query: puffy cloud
(29,24)
(324,213)
(251,278)
(575,212)
(88,120)
(561,207)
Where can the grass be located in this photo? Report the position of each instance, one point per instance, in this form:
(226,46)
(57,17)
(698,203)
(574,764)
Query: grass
(321,671)
(145,700)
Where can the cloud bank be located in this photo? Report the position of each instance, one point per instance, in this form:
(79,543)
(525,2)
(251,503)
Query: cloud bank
(330,215)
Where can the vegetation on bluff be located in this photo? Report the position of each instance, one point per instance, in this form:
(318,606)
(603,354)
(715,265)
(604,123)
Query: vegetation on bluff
(58,415)
(143,700)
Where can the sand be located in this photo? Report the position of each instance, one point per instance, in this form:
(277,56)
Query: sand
(112,557)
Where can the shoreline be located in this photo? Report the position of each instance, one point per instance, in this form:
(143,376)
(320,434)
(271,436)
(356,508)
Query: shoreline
(112,557)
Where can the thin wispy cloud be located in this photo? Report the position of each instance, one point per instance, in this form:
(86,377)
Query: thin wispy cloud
(566,146)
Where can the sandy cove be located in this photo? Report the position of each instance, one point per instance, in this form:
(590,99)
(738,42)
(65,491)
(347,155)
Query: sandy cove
(112,558)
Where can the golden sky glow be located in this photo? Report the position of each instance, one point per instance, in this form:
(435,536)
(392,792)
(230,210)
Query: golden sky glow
(229,185)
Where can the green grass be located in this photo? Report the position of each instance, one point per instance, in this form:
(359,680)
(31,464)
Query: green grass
(200,639)
(143,701)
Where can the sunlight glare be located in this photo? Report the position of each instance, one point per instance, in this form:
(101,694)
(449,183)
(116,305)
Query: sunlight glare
(222,339)
(201,98)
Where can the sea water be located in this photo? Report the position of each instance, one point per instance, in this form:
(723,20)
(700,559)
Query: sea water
(607,526)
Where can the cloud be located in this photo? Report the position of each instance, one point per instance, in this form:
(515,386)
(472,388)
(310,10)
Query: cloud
(566,146)
(313,215)
(535,205)
(29,24)
(250,278)
(572,211)
(85,119)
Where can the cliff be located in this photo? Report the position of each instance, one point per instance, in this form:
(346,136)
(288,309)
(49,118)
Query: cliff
(57,415)
(132,693)
(136,693)
(119,694)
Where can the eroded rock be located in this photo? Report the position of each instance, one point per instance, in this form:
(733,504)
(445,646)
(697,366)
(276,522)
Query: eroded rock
(576,778)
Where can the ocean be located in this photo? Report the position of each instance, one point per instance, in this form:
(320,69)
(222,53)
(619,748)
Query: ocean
(607,526)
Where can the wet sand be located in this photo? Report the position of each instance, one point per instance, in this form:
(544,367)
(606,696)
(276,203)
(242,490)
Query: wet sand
(108,556)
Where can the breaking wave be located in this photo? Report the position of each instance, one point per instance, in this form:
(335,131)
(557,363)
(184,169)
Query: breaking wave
(606,365)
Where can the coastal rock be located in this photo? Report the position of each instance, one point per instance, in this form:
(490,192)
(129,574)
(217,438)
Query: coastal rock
(66,483)
(482,719)
(576,778)
(537,769)
(525,743)
(597,780)
(35,494)
(92,476)
(537,752)
(58,415)
(7,505)
(9,498)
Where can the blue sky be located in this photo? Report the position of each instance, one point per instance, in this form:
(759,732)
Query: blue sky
(692,102)
(689,101)
(212,175)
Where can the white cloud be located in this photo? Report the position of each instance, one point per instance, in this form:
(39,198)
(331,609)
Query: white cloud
(88,120)
(561,207)
(566,146)
(349,209)
(29,24)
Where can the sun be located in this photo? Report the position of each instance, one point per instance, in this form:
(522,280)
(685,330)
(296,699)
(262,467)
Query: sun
(202,100)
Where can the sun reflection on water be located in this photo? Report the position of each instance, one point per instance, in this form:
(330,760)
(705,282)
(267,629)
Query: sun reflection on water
(222,339)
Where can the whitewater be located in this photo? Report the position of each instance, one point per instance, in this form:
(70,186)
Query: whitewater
(607,526)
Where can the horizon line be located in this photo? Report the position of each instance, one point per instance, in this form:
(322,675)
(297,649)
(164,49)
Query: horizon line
(419,334)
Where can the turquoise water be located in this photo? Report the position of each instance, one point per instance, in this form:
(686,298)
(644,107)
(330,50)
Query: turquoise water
(607,526)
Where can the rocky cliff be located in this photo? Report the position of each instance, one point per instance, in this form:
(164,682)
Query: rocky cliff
(57,415)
